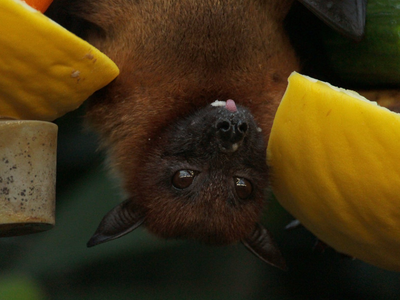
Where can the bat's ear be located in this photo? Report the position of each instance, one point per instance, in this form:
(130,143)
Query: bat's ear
(119,221)
(345,16)
(261,243)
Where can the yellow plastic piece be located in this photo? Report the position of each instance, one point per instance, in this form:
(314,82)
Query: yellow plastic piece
(45,70)
(335,163)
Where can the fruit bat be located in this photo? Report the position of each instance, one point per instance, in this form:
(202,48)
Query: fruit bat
(187,121)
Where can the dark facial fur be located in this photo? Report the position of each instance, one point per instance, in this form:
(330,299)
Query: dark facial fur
(213,208)
(155,119)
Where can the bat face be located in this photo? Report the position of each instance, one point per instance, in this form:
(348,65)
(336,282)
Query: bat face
(210,173)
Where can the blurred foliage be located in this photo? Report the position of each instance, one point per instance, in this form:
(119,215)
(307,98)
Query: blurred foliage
(19,287)
(57,265)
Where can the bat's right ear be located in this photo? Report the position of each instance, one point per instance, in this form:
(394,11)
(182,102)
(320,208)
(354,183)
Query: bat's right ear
(261,243)
(345,16)
(119,221)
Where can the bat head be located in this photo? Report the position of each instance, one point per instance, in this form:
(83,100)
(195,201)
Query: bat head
(210,173)
(204,179)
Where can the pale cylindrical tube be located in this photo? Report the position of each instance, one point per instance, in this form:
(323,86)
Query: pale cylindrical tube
(27,176)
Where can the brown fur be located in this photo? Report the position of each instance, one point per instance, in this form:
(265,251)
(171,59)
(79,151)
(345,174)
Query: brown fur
(176,57)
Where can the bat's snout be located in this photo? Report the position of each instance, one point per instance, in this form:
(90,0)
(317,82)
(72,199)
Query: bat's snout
(231,131)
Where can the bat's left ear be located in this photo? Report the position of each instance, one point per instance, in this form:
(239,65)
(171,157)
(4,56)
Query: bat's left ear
(261,243)
(119,221)
(345,16)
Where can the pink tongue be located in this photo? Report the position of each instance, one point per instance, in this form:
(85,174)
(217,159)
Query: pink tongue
(230,105)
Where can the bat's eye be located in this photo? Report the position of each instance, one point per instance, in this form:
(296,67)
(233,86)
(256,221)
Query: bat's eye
(243,187)
(183,179)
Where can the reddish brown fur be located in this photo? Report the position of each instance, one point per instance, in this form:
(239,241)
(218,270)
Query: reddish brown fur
(176,57)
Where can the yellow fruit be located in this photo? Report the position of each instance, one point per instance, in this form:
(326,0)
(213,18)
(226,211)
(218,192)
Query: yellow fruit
(45,71)
(335,166)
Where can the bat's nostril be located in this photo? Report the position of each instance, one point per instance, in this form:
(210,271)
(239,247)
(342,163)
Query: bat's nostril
(242,128)
(224,125)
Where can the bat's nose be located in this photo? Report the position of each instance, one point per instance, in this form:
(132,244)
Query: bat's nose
(231,133)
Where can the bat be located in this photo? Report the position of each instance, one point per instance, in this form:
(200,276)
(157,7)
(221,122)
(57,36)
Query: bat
(187,121)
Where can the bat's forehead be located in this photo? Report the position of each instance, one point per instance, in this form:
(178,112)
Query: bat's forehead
(209,217)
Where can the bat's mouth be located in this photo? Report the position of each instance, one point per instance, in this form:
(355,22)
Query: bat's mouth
(229,105)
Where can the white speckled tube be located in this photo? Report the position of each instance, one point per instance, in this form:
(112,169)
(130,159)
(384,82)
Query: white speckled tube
(27,176)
